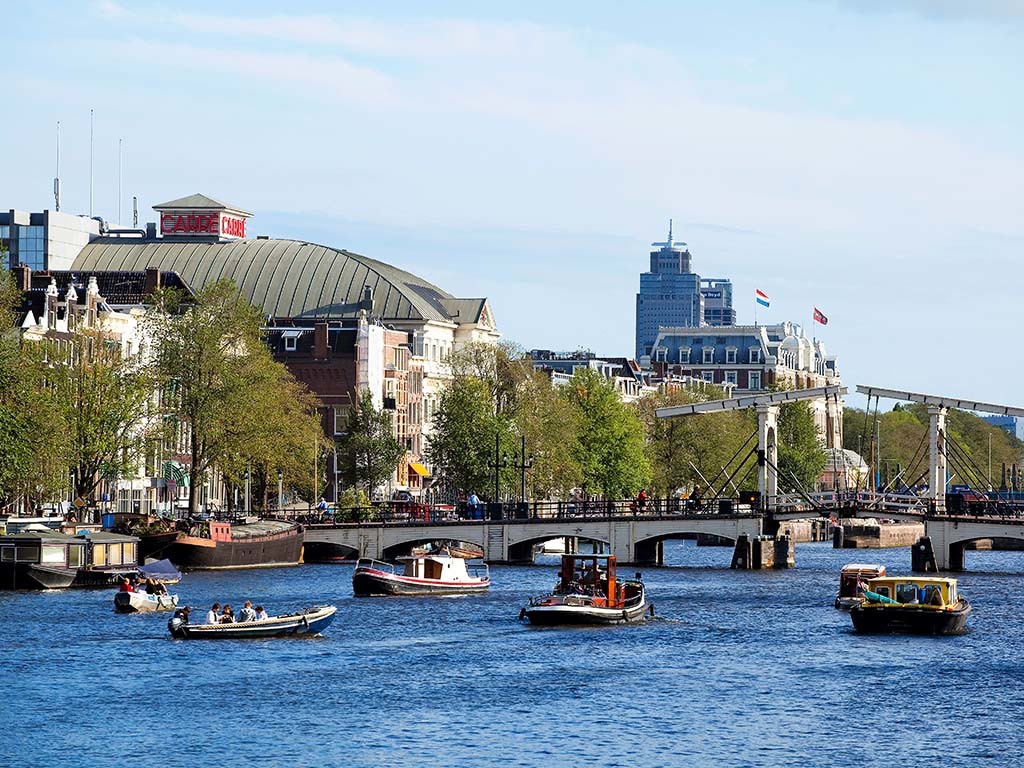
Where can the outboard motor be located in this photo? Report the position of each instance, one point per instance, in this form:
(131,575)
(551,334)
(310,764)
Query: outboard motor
(176,626)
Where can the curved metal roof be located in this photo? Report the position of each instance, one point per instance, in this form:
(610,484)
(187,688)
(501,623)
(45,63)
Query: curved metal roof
(289,278)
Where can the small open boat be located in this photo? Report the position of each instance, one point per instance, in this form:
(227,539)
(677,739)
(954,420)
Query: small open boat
(435,573)
(851,583)
(589,592)
(917,605)
(140,602)
(311,621)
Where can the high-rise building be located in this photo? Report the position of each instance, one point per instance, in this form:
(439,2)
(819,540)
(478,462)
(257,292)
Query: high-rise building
(671,294)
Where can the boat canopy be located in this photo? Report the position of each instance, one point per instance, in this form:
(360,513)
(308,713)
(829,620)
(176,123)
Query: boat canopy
(161,569)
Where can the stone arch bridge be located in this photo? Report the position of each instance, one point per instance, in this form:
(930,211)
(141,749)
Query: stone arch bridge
(635,540)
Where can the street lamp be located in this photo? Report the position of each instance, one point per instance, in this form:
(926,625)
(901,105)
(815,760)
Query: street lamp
(280,486)
(497,465)
(524,464)
(247,479)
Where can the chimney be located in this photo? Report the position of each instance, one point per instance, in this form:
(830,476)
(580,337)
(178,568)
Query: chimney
(320,341)
(151,230)
(367,302)
(22,277)
(152,280)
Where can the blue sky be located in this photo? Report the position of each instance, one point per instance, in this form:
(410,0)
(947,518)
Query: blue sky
(862,156)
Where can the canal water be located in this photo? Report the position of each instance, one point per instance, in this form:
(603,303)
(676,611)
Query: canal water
(739,669)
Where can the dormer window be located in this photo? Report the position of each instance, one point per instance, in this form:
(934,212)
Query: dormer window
(290,343)
(684,355)
(755,355)
(730,356)
(709,356)
(661,354)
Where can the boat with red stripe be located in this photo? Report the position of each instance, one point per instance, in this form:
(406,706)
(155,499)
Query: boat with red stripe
(435,573)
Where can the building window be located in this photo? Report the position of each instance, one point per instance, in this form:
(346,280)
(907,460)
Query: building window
(708,376)
(730,356)
(661,354)
(709,355)
(684,355)
(290,343)
(754,380)
(755,355)
(730,377)
(340,419)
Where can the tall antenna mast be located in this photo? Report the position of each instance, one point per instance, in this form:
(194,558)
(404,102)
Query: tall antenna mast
(135,211)
(119,143)
(56,179)
(90,162)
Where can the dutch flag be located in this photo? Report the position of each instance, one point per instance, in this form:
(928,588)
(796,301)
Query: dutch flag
(761,296)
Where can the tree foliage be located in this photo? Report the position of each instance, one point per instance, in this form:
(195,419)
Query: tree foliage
(33,436)
(220,382)
(897,443)
(802,456)
(609,445)
(368,452)
(464,429)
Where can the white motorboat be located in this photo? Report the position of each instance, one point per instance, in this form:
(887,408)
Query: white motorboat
(140,602)
(305,623)
(436,573)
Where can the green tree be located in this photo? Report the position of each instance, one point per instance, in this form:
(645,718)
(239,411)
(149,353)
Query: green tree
(33,437)
(461,443)
(610,442)
(105,402)
(700,450)
(368,452)
(802,456)
(215,372)
(549,423)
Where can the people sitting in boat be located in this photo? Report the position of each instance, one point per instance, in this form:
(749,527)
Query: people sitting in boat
(183,614)
(213,615)
(261,613)
(126,585)
(247,613)
(227,616)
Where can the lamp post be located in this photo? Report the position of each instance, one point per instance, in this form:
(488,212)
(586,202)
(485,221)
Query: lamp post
(248,478)
(280,491)
(500,460)
(524,464)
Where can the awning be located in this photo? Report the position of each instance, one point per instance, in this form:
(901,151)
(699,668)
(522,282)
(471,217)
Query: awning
(419,469)
(175,473)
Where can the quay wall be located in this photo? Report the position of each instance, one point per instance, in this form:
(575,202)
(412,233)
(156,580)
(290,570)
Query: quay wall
(860,534)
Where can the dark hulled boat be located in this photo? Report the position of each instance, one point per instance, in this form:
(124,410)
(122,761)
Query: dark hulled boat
(589,592)
(908,604)
(307,623)
(212,545)
(47,559)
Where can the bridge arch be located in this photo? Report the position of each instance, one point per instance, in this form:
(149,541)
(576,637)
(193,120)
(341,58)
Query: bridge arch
(651,550)
(521,550)
(418,538)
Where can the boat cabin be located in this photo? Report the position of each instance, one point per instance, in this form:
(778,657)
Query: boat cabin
(913,590)
(855,573)
(443,567)
(112,550)
(595,575)
(43,548)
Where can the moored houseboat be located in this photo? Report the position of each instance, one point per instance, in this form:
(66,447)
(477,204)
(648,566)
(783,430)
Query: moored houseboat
(212,545)
(46,559)
(852,578)
(435,573)
(911,604)
(589,592)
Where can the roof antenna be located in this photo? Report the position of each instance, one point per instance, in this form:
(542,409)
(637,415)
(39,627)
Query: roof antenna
(90,163)
(670,233)
(56,179)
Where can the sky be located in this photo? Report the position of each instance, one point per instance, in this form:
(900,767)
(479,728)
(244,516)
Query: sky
(862,156)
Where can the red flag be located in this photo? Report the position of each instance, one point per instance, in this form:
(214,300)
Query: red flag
(819,317)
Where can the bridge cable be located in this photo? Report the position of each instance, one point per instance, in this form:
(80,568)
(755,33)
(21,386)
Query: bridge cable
(727,464)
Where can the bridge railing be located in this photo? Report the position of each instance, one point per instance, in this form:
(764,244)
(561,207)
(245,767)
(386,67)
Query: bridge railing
(532,511)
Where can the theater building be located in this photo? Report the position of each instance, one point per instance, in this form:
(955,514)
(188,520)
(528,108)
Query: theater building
(341,321)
